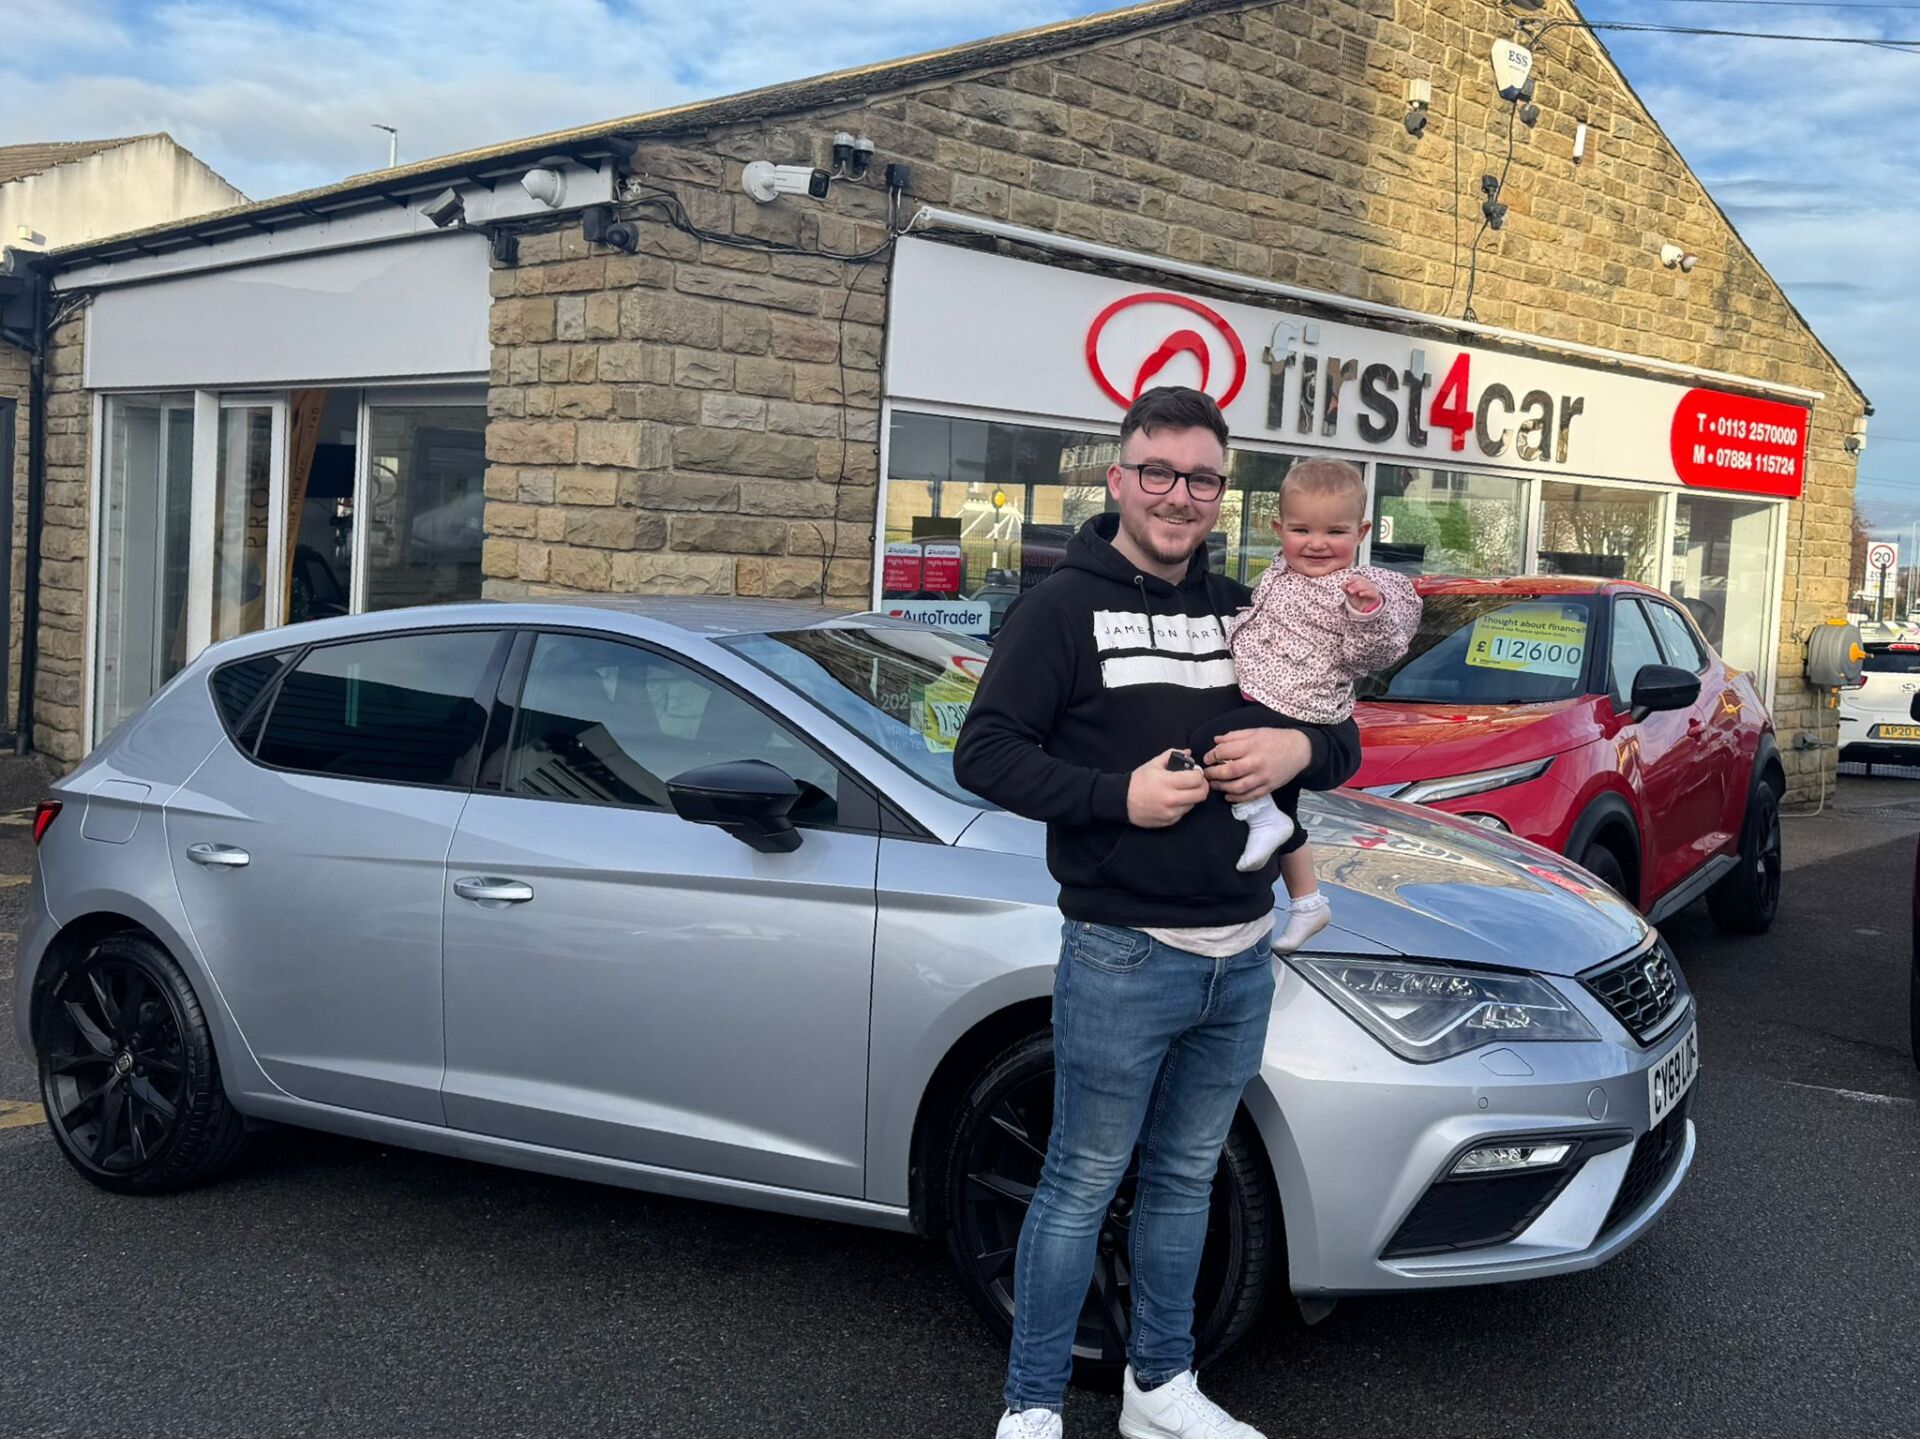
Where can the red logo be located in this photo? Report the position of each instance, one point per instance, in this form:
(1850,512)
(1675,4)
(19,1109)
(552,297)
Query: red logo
(1183,341)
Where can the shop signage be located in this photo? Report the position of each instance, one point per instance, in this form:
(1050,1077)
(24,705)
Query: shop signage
(963,617)
(924,566)
(986,331)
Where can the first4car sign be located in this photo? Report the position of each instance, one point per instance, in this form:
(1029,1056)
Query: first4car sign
(985,330)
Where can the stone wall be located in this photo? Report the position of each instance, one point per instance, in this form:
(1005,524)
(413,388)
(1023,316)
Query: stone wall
(697,418)
(60,684)
(15,369)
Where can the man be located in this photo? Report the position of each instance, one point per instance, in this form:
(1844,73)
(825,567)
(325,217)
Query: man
(1164,984)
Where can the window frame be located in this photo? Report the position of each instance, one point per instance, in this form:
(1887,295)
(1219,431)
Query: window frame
(854,795)
(469,763)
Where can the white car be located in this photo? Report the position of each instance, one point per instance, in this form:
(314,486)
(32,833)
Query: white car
(1878,722)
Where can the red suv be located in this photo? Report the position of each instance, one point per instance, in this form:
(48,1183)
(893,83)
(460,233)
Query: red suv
(1591,717)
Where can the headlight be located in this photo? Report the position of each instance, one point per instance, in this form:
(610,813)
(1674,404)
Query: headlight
(1426,1012)
(1453,786)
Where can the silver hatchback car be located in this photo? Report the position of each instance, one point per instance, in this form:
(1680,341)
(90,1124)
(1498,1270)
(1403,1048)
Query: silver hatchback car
(683,896)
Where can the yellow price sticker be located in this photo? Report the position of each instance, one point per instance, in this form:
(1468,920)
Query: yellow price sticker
(1538,639)
(943,709)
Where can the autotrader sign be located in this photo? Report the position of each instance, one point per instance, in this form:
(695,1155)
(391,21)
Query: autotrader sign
(985,331)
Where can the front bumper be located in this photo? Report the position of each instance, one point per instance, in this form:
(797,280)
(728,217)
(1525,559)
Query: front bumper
(1358,1137)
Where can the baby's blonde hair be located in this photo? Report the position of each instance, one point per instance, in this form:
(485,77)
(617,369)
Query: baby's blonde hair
(1326,477)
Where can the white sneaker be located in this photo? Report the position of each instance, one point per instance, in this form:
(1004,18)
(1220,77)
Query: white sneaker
(1029,1424)
(1304,921)
(1267,830)
(1177,1410)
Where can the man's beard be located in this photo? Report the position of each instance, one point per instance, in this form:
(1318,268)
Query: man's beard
(1160,557)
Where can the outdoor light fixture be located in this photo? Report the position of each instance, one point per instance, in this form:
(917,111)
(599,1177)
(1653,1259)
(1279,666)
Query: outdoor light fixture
(1579,142)
(547,185)
(767,182)
(852,155)
(445,209)
(1675,258)
(1492,207)
(1419,102)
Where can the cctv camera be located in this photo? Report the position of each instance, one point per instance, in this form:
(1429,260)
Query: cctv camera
(1687,262)
(1415,122)
(1675,258)
(1496,214)
(546,185)
(598,226)
(444,209)
(766,182)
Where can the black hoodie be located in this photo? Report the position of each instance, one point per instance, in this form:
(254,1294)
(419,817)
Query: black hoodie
(1097,670)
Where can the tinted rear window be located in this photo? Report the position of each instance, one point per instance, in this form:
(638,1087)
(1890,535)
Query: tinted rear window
(401,709)
(1889,661)
(237,686)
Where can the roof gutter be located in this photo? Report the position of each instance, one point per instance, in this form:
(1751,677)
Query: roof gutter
(930,218)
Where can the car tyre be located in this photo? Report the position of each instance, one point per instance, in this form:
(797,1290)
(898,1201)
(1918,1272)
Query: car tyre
(1746,901)
(128,1075)
(1604,865)
(997,1143)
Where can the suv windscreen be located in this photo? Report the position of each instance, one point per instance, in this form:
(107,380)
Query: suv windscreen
(905,691)
(1491,650)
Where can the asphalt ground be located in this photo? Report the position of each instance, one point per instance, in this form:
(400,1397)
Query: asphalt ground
(329,1287)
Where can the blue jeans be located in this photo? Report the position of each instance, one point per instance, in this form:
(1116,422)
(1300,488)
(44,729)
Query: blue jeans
(1152,1045)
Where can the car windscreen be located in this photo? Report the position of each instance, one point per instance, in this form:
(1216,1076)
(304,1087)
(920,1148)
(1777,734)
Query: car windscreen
(905,691)
(1491,650)
(1898,659)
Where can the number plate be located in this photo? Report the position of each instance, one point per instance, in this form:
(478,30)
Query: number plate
(1897,731)
(1673,1076)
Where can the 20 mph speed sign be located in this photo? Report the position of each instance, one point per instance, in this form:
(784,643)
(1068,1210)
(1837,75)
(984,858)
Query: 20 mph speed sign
(1882,558)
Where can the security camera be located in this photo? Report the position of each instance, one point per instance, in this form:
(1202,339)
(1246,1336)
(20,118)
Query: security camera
(1496,214)
(852,155)
(1529,115)
(1419,100)
(1675,258)
(548,186)
(766,182)
(599,226)
(1512,64)
(444,209)
(1416,122)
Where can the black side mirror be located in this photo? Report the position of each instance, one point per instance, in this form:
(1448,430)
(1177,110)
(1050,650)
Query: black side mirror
(748,798)
(1663,687)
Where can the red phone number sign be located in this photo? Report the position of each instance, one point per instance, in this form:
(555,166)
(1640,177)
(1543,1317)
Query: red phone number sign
(1739,443)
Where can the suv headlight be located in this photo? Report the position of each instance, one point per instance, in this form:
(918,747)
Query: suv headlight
(1456,786)
(1426,1012)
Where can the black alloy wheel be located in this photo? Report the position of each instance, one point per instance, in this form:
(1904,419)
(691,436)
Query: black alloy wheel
(127,1071)
(999,1142)
(1746,901)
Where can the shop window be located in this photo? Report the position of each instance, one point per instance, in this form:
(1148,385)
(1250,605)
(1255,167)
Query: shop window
(1447,522)
(1602,531)
(243,479)
(610,723)
(402,709)
(426,468)
(146,513)
(979,509)
(1723,572)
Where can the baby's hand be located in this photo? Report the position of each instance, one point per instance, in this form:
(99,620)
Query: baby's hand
(1363,594)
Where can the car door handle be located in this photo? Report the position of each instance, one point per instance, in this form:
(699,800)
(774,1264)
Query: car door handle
(219,856)
(491,890)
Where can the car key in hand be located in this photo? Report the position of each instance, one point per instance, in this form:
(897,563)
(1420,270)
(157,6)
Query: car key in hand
(1180,759)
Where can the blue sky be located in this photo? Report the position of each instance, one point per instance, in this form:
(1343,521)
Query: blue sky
(1807,146)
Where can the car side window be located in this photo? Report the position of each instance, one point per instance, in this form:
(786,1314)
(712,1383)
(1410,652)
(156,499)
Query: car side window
(1677,639)
(400,708)
(1631,648)
(235,688)
(607,722)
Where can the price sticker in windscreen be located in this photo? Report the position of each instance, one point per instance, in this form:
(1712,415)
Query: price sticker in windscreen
(1536,639)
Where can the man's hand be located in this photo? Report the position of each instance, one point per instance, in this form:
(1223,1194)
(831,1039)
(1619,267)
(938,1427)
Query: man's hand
(1158,796)
(1249,763)
(1363,594)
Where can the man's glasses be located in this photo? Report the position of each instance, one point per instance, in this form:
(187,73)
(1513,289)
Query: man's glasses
(1204,485)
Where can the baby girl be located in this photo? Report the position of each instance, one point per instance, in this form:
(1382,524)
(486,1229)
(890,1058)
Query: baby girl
(1317,623)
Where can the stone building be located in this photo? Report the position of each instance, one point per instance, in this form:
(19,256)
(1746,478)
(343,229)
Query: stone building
(430,383)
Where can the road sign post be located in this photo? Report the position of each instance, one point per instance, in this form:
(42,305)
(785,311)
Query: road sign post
(1883,557)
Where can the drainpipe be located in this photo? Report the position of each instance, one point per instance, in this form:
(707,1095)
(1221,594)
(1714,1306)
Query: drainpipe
(34,343)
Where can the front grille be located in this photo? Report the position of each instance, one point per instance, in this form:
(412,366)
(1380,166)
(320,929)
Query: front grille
(1654,1157)
(1477,1212)
(1642,991)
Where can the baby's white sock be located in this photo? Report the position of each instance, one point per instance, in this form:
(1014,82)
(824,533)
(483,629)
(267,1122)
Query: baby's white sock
(1267,830)
(1306,916)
